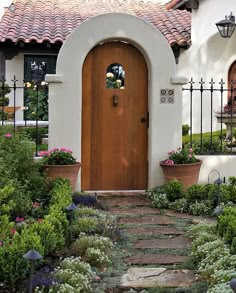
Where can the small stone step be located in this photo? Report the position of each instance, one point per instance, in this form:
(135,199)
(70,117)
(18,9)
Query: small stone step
(154,231)
(134,211)
(132,200)
(178,242)
(157,277)
(165,259)
(150,220)
(195,219)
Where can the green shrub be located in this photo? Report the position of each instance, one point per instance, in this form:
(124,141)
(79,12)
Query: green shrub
(180,205)
(174,190)
(6,202)
(200,228)
(208,147)
(13,266)
(201,208)
(34,135)
(60,194)
(96,257)
(6,228)
(51,238)
(220,288)
(74,276)
(213,258)
(81,245)
(195,192)
(185,129)
(154,191)
(85,224)
(86,211)
(17,156)
(227,226)
(160,201)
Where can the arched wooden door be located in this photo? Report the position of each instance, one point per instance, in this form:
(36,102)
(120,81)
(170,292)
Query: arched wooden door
(114,118)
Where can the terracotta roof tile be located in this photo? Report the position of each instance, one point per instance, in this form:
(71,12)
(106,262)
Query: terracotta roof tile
(54,20)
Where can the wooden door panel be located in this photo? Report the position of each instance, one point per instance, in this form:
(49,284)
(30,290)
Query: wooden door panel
(114,140)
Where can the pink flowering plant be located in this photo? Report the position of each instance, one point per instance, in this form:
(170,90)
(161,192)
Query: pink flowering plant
(57,156)
(181,156)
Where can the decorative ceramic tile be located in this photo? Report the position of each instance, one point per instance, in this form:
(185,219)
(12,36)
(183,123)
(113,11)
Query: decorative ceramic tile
(167,96)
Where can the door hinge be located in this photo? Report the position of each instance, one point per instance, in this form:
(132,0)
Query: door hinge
(147,119)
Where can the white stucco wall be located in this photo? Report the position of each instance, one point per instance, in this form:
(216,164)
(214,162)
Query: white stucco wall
(65,88)
(225,165)
(3,5)
(210,56)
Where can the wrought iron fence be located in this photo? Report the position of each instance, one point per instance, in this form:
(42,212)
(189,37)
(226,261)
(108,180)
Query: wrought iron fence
(31,99)
(211,107)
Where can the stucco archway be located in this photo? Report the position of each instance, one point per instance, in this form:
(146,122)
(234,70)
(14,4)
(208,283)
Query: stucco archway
(65,92)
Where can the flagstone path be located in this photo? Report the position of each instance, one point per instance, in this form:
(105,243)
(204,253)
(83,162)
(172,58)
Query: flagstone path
(159,242)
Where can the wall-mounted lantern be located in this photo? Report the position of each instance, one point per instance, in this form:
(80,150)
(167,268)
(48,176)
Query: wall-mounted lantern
(226,26)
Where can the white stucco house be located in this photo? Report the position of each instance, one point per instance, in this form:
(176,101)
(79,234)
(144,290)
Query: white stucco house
(119,133)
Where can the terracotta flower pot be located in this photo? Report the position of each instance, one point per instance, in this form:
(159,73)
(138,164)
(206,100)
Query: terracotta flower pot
(185,173)
(66,171)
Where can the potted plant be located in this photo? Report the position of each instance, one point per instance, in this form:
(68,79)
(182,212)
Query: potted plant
(61,163)
(182,165)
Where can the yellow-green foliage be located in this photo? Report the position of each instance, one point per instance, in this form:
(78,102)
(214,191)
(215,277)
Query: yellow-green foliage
(6,203)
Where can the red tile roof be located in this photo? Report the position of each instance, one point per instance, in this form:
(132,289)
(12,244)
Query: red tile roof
(53,20)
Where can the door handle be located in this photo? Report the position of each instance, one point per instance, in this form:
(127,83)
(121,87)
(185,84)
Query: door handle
(115,100)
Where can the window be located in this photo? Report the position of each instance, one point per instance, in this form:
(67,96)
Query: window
(115,76)
(36,90)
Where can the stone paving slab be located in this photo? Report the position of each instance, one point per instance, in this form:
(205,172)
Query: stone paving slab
(155,259)
(195,219)
(134,211)
(150,220)
(157,277)
(178,242)
(132,200)
(153,231)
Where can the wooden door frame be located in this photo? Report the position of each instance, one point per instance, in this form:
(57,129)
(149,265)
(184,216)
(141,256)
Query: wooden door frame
(65,89)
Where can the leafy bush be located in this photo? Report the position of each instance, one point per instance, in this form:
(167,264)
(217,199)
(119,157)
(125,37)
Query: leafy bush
(45,236)
(85,224)
(86,211)
(160,201)
(201,208)
(173,190)
(13,266)
(220,288)
(232,181)
(34,135)
(208,147)
(74,276)
(81,245)
(195,192)
(17,156)
(185,129)
(227,226)
(213,258)
(96,257)
(60,194)
(108,227)
(51,238)
(180,205)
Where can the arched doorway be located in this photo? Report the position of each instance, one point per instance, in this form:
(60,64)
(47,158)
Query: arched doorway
(232,85)
(114,118)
